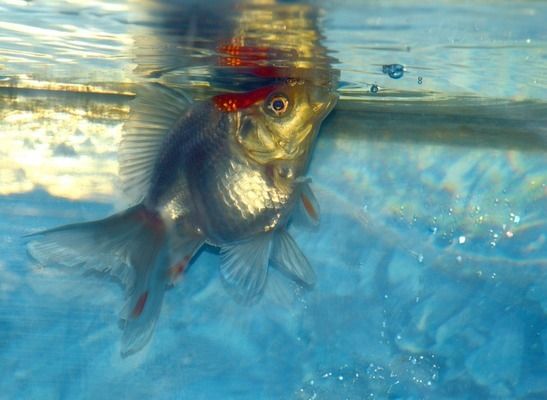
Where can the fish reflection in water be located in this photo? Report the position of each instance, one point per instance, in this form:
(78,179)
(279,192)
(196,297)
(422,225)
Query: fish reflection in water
(226,171)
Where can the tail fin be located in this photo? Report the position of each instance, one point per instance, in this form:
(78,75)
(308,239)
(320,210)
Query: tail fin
(131,246)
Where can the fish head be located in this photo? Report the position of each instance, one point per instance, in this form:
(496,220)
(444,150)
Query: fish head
(283,125)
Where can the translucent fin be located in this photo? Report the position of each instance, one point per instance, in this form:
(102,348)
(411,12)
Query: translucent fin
(131,247)
(307,211)
(279,289)
(102,246)
(181,250)
(153,113)
(288,258)
(244,268)
(141,311)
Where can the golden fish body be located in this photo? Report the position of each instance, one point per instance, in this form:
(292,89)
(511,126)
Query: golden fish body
(202,173)
(228,171)
(230,175)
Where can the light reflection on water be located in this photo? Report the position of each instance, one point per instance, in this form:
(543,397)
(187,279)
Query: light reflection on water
(63,143)
(64,41)
(462,64)
(483,50)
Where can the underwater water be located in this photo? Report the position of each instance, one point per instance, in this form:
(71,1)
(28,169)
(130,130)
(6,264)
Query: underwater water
(431,174)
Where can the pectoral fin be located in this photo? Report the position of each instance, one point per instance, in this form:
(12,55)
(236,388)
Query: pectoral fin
(307,210)
(244,268)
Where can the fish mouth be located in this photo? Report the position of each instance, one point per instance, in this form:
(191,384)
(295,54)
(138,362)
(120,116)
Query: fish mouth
(322,100)
(325,106)
(322,95)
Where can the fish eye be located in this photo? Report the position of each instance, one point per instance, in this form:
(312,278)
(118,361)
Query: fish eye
(278,104)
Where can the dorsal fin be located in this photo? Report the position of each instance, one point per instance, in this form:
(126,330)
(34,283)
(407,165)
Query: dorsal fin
(153,112)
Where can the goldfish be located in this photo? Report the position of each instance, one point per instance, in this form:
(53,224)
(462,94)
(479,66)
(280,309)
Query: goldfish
(228,172)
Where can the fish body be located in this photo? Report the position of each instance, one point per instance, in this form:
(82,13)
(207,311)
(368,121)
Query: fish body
(228,171)
(227,196)
(226,175)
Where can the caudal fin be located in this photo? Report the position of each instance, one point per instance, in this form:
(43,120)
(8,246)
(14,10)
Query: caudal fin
(131,246)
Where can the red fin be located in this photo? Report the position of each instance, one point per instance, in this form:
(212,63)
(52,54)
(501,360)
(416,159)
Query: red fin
(176,270)
(151,220)
(308,206)
(231,102)
(139,307)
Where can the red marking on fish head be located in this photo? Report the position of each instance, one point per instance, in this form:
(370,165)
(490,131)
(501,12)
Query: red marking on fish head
(139,307)
(232,102)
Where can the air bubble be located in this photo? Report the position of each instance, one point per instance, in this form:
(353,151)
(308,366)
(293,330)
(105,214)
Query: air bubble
(395,71)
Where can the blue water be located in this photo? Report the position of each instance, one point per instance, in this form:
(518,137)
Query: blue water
(431,256)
